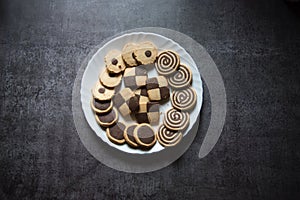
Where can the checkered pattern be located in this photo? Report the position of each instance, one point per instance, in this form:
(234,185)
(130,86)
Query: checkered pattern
(157,88)
(148,113)
(142,95)
(135,77)
(121,101)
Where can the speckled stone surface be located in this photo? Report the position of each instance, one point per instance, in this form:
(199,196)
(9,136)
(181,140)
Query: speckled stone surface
(256,46)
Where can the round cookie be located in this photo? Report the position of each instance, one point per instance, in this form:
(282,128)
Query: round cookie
(107,119)
(184,99)
(101,106)
(101,93)
(181,78)
(128,135)
(176,120)
(127,54)
(144,135)
(116,133)
(114,62)
(168,137)
(110,80)
(167,62)
(145,53)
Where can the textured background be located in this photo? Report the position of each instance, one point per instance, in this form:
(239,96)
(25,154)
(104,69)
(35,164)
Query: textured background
(255,44)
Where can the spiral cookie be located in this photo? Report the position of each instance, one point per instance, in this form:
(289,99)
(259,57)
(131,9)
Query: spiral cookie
(176,120)
(184,99)
(168,137)
(181,78)
(167,63)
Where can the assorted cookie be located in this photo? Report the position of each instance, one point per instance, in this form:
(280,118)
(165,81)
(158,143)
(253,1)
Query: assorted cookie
(144,135)
(145,53)
(167,137)
(107,119)
(176,120)
(184,99)
(181,78)
(114,62)
(110,80)
(167,63)
(101,93)
(116,133)
(148,113)
(101,106)
(135,77)
(128,135)
(157,88)
(122,101)
(128,54)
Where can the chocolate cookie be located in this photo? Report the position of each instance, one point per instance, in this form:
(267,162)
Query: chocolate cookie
(116,133)
(128,135)
(101,106)
(110,80)
(145,53)
(122,101)
(142,91)
(114,62)
(157,88)
(144,135)
(181,78)
(167,137)
(167,62)
(176,120)
(135,77)
(184,99)
(101,93)
(128,56)
(148,113)
(107,119)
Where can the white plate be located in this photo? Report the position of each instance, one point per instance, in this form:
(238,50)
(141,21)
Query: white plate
(96,65)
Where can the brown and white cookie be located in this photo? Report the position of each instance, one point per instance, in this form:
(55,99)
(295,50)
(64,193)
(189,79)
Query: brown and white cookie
(110,80)
(101,106)
(116,133)
(114,62)
(157,88)
(184,99)
(176,120)
(167,137)
(135,77)
(145,53)
(123,101)
(148,112)
(107,119)
(181,78)
(142,91)
(144,135)
(127,54)
(167,63)
(128,135)
(101,93)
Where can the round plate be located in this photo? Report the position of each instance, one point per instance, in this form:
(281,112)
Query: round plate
(96,65)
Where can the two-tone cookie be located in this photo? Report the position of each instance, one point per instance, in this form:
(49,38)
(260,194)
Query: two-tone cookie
(144,135)
(107,119)
(101,93)
(145,53)
(148,112)
(135,77)
(181,78)
(167,137)
(114,62)
(176,120)
(122,100)
(101,106)
(128,135)
(110,80)
(115,133)
(167,63)
(157,88)
(184,99)
(128,54)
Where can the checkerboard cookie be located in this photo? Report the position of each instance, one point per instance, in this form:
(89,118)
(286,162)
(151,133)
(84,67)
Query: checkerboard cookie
(128,56)
(157,88)
(122,101)
(145,53)
(110,80)
(135,77)
(148,113)
(114,62)
(101,93)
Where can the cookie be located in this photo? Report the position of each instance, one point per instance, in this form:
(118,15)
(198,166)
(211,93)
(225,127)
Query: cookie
(101,106)
(116,133)
(142,91)
(167,137)
(110,80)
(148,113)
(176,120)
(135,77)
(157,88)
(128,135)
(122,101)
(128,56)
(144,135)
(167,63)
(107,119)
(184,99)
(145,53)
(101,93)
(181,78)
(114,62)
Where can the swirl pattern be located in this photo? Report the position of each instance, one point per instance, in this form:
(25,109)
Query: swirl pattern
(167,63)
(181,78)
(184,99)
(176,120)
(168,137)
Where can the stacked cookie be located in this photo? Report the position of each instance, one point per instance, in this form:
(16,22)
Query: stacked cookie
(142,96)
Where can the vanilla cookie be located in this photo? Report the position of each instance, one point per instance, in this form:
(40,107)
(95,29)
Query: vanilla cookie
(116,133)
(144,135)
(101,93)
(184,99)
(167,63)
(181,78)
(128,135)
(167,137)
(176,120)
(157,88)
(145,53)
(107,119)
(114,62)
(127,54)
(101,106)
(110,80)
(135,77)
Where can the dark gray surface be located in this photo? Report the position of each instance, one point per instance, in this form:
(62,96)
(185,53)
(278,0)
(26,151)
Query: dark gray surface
(256,46)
